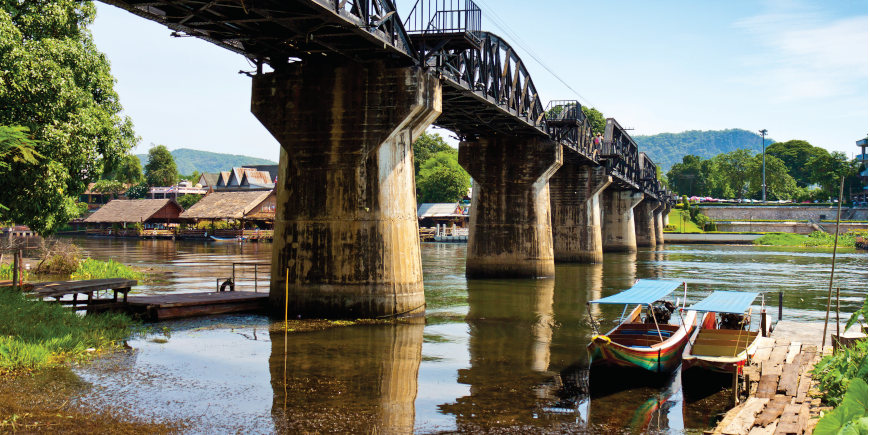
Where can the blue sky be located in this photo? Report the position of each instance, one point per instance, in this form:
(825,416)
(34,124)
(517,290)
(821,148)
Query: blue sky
(796,68)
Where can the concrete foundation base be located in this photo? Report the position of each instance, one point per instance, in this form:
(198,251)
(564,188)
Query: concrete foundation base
(509,231)
(575,191)
(346,242)
(618,232)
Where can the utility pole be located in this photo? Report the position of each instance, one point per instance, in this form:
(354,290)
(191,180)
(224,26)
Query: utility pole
(763,167)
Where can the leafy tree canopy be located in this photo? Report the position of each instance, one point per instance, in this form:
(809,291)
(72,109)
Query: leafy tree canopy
(109,187)
(780,185)
(596,119)
(128,170)
(160,170)
(188,200)
(442,179)
(56,84)
(426,146)
(796,154)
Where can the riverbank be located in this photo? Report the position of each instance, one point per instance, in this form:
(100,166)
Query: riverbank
(817,239)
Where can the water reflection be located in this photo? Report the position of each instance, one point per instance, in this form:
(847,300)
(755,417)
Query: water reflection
(347,379)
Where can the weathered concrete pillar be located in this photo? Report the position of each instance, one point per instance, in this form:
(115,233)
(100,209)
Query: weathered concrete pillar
(659,224)
(644,223)
(576,207)
(509,222)
(346,221)
(618,231)
(665,215)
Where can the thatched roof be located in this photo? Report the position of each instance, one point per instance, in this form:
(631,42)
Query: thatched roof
(135,210)
(225,205)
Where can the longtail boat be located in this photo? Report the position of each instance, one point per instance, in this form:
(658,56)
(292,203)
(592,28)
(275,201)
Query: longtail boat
(726,344)
(643,339)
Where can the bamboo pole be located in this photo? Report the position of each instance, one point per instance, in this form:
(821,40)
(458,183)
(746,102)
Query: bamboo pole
(833,263)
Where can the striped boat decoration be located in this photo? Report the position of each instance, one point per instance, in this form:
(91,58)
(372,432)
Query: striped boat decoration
(633,344)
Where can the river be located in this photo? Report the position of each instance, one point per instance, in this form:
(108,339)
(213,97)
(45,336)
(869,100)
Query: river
(490,355)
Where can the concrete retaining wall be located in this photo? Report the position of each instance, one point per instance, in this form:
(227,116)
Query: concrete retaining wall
(773,212)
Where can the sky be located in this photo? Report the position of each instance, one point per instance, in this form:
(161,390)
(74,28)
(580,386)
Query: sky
(796,68)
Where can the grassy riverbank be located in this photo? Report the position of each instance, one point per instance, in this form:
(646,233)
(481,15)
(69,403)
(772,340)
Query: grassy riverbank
(36,335)
(817,239)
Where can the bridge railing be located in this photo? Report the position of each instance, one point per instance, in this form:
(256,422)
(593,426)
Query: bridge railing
(567,124)
(444,23)
(621,153)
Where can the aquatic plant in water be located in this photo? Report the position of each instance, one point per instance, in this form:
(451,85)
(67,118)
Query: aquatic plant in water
(95,269)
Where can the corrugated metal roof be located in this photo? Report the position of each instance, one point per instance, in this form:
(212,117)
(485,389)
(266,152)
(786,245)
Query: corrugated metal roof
(726,302)
(645,292)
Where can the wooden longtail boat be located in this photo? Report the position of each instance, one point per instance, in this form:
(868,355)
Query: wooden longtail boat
(643,342)
(718,346)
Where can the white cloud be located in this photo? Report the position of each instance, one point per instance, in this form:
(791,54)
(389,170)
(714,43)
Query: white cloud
(804,56)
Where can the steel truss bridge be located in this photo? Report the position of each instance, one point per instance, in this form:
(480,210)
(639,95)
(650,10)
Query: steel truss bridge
(486,87)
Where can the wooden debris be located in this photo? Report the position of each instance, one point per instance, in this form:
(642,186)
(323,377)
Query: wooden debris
(742,422)
(766,430)
(767,386)
(789,380)
(794,419)
(765,346)
(774,363)
(772,411)
(793,350)
(803,389)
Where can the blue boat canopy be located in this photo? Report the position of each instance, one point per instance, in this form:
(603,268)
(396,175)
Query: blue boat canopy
(726,302)
(645,292)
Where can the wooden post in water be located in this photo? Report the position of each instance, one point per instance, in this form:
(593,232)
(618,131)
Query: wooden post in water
(833,263)
(734,386)
(780,307)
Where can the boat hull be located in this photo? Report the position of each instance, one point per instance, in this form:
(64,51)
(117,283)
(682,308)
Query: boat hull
(721,364)
(660,358)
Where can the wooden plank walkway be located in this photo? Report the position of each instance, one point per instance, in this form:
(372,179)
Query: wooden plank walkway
(179,305)
(778,382)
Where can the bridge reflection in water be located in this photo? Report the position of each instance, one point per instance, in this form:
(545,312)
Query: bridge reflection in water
(360,379)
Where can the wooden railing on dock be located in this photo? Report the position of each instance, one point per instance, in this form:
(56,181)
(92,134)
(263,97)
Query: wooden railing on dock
(58,289)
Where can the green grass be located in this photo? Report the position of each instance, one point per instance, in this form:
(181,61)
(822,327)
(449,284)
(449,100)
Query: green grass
(35,335)
(95,269)
(6,272)
(817,239)
(675,219)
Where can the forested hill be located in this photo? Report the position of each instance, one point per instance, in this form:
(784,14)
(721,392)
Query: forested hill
(188,160)
(669,148)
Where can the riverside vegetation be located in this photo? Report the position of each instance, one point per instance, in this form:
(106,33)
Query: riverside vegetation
(843,383)
(818,239)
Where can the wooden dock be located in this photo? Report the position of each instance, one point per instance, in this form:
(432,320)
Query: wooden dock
(179,305)
(779,385)
(149,307)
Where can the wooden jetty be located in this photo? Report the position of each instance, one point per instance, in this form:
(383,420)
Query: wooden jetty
(778,384)
(179,305)
(149,307)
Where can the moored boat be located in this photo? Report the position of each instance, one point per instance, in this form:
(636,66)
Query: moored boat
(726,344)
(644,339)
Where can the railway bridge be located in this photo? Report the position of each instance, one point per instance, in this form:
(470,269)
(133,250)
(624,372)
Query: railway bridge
(346,86)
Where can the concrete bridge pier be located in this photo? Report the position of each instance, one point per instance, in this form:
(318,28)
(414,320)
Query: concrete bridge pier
(575,191)
(659,223)
(346,221)
(618,230)
(644,223)
(509,224)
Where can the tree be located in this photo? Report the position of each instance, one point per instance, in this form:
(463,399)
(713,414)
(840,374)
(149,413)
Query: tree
(57,85)
(827,169)
(128,170)
(688,177)
(160,170)
(138,191)
(442,179)
(193,177)
(187,201)
(596,119)
(426,146)
(16,146)
(109,187)
(780,185)
(729,174)
(796,154)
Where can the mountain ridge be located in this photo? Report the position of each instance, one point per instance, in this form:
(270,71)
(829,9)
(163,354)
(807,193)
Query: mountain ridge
(188,160)
(667,149)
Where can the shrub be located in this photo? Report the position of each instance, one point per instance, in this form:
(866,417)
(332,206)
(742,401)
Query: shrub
(835,371)
(58,257)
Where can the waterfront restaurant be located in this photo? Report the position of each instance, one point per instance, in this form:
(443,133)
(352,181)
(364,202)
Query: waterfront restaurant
(444,214)
(257,206)
(150,213)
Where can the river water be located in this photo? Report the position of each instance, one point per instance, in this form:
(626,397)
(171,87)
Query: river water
(490,355)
